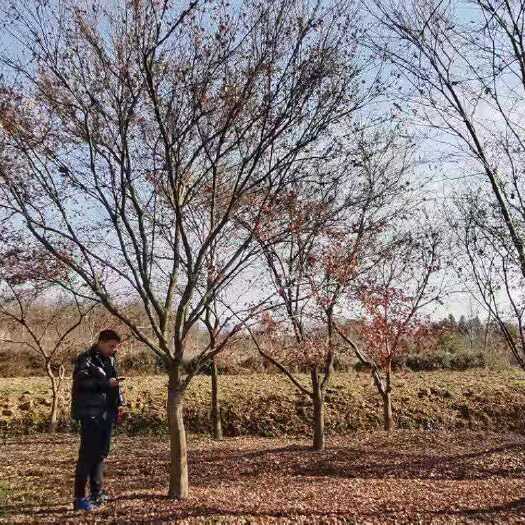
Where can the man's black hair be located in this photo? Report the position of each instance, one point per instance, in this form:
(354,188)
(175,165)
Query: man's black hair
(109,335)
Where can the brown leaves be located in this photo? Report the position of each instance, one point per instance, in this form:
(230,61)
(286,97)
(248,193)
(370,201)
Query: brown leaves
(368,478)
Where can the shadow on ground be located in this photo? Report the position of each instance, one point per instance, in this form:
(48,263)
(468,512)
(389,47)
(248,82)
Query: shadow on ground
(375,478)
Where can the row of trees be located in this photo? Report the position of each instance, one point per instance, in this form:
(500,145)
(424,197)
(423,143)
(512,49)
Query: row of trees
(227,166)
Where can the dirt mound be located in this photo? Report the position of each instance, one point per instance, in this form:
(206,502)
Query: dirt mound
(268,405)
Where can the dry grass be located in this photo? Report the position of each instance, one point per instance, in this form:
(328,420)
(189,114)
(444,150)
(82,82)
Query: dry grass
(268,405)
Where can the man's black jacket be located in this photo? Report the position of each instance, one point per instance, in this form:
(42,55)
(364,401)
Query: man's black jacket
(91,394)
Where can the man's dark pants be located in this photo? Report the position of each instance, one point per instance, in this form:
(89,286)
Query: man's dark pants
(95,439)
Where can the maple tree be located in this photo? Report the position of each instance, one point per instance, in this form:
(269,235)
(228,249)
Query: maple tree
(127,120)
(391,299)
(314,245)
(38,315)
(303,218)
(351,247)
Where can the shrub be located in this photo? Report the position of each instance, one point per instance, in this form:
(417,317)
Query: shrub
(141,362)
(465,360)
(451,343)
(20,363)
(439,360)
(428,360)
(253,363)
(343,362)
(442,359)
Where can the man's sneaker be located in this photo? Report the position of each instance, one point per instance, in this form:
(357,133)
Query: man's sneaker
(83,504)
(97,500)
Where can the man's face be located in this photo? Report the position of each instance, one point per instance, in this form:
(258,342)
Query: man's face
(108,348)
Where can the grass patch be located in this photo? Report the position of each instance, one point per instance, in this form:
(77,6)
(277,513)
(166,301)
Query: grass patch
(268,405)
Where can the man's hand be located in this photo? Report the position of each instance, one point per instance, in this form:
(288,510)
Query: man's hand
(114,381)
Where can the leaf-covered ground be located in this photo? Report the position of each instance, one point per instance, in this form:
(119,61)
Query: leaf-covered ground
(409,476)
(269,406)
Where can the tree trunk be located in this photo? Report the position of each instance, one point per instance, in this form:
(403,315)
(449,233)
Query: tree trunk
(215,406)
(178,488)
(388,420)
(55,400)
(318,401)
(486,335)
(387,400)
(53,418)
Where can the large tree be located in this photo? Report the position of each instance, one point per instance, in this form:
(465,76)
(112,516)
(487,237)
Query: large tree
(462,78)
(122,122)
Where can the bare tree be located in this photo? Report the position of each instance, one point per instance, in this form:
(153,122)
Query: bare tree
(463,78)
(226,322)
(212,325)
(120,125)
(39,316)
(328,230)
(303,216)
(489,270)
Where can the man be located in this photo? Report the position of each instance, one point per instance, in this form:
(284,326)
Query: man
(96,402)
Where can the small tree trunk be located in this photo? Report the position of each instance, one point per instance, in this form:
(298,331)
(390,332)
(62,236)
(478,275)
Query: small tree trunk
(178,488)
(486,335)
(55,401)
(318,402)
(215,405)
(53,418)
(387,400)
(387,412)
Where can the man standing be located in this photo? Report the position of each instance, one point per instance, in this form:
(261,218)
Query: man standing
(96,402)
